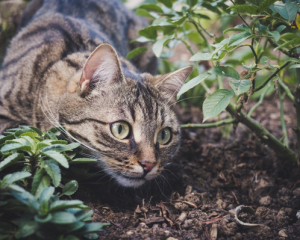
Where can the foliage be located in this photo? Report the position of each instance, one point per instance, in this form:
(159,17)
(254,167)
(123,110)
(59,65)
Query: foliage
(30,204)
(245,55)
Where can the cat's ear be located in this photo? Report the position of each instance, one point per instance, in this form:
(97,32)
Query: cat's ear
(170,84)
(103,67)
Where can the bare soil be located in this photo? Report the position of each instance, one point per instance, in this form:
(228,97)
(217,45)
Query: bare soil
(197,194)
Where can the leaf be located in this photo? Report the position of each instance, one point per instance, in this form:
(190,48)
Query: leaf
(240,86)
(70,188)
(136,52)
(15,146)
(226,72)
(144,13)
(40,181)
(264,5)
(81,215)
(27,229)
(64,204)
(71,237)
(244,9)
(192,83)
(27,199)
(280,28)
(287,10)
(142,40)
(295,66)
(238,38)
(286,44)
(238,28)
(44,219)
(201,57)
(151,7)
(158,46)
(148,32)
(63,218)
(83,160)
(216,103)
(39,132)
(264,60)
(167,3)
(53,171)
(46,194)
(4,138)
(11,160)
(275,34)
(93,227)
(58,157)
(16,177)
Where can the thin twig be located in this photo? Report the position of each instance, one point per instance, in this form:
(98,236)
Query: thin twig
(208,125)
(283,126)
(270,78)
(286,89)
(261,98)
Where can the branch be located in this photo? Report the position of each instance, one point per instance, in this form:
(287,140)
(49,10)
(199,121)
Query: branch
(297,106)
(209,125)
(259,102)
(286,89)
(270,78)
(264,135)
(283,126)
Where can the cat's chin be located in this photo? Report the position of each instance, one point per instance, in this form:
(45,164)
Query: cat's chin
(129,181)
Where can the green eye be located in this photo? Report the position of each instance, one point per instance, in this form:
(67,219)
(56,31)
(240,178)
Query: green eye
(120,130)
(164,136)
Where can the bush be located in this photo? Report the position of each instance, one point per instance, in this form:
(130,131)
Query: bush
(30,204)
(245,53)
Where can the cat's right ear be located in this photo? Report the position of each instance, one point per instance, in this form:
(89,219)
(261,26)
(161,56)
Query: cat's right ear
(102,67)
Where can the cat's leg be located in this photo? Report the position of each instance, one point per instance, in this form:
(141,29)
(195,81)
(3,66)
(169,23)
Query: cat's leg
(147,61)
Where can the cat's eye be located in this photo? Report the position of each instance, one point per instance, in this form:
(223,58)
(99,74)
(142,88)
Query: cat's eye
(120,130)
(164,136)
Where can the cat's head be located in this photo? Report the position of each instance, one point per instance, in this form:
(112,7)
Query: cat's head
(125,118)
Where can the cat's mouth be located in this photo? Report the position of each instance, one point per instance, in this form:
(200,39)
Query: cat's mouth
(129,181)
(130,177)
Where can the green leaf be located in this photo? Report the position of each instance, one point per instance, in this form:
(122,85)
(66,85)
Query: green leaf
(44,219)
(295,66)
(58,157)
(53,171)
(201,57)
(40,181)
(16,177)
(81,215)
(244,9)
(264,60)
(144,13)
(136,52)
(192,83)
(4,138)
(93,227)
(39,132)
(167,3)
(63,218)
(27,229)
(83,160)
(226,72)
(286,44)
(238,28)
(27,199)
(158,46)
(275,34)
(287,10)
(151,7)
(238,38)
(22,131)
(46,194)
(70,188)
(142,40)
(71,237)
(240,86)
(264,5)
(64,204)
(216,103)
(10,160)
(15,146)
(148,32)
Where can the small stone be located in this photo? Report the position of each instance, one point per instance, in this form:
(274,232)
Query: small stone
(298,214)
(167,233)
(129,232)
(265,201)
(282,233)
(171,238)
(296,192)
(221,204)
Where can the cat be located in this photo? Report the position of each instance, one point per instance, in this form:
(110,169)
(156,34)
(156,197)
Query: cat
(67,67)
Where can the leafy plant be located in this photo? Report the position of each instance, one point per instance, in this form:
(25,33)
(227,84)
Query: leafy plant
(267,27)
(30,206)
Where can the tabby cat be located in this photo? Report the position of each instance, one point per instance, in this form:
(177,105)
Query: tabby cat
(66,67)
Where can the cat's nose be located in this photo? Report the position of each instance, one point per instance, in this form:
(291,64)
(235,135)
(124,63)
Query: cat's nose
(147,166)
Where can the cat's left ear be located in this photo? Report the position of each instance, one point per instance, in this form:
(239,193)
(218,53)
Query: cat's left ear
(170,84)
(102,67)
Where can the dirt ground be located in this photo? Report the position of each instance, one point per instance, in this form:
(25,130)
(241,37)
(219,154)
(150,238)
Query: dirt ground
(198,193)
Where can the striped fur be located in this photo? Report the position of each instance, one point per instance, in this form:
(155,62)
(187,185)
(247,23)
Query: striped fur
(43,82)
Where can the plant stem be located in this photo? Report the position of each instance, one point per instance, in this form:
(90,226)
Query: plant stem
(276,45)
(286,89)
(208,125)
(283,126)
(297,106)
(273,75)
(265,136)
(261,98)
